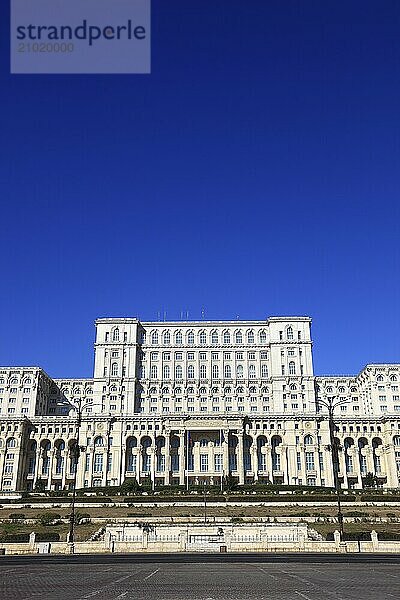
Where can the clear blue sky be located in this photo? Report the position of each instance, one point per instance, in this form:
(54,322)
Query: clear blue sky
(255,172)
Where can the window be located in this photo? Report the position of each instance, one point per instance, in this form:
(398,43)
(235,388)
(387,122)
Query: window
(203,462)
(153,372)
(292,368)
(289,333)
(298,461)
(218,462)
(154,338)
(116,335)
(227,337)
(263,337)
(190,338)
(114,369)
(214,338)
(178,372)
(250,337)
(215,371)
(264,371)
(252,371)
(154,356)
(166,338)
(203,372)
(166,372)
(190,372)
(178,338)
(202,338)
(239,371)
(238,337)
(98,463)
(227,372)
(310,466)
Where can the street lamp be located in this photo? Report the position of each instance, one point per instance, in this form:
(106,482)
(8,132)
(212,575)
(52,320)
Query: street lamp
(75,452)
(330,403)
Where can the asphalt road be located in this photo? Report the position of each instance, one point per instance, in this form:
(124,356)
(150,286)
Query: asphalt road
(200,577)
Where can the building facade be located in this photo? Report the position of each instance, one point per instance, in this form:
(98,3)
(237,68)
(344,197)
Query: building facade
(179,403)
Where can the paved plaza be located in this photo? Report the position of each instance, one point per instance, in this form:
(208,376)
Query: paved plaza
(199,578)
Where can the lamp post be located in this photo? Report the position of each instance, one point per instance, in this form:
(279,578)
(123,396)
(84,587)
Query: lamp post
(75,451)
(330,403)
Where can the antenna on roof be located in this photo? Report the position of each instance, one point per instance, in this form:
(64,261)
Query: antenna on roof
(203,312)
(187,315)
(165,315)
(158,315)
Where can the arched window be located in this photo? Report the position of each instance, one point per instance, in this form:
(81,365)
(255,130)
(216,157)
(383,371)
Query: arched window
(215,371)
(154,338)
(203,442)
(153,372)
(98,442)
(308,440)
(238,337)
(178,338)
(393,378)
(342,390)
(239,371)
(114,369)
(379,378)
(292,368)
(250,337)
(227,337)
(11,443)
(252,371)
(289,333)
(13,381)
(203,338)
(166,338)
(166,372)
(203,372)
(116,335)
(190,338)
(264,371)
(396,440)
(143,372)
(178,391)
(28,381)
(178,372)
(263,337)
(227,371)
(214,338)
(190,372)
(203,390)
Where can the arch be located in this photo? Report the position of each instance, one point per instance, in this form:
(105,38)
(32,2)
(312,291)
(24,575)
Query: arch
(190,338)
(190,372)
(166,338)
(393,378)
(115,335)
(160,442)
(239,371)
(166,372)
(202,338)
(59,445)
(376,442)
(178,390)
(379,378)
(308,440)
(262,441)
(396,440)
(292,368)
(98,441)
(252,371)
(11,443)
(348,443)
(131,442)
(145,442)
(178,372)
(175,441)
(276,441)
(154,338)
(178,338)
(264,371)
(289,333)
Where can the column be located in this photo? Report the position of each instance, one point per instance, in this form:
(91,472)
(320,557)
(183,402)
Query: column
(225,453)
(240,464)
(167,477)
(182,456)
(254,458)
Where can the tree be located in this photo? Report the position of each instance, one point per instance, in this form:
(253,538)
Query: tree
(49,518)
(130,486)
(40,486)
(370,480)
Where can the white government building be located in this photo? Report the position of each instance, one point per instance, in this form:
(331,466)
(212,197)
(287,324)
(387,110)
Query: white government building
(187,402)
